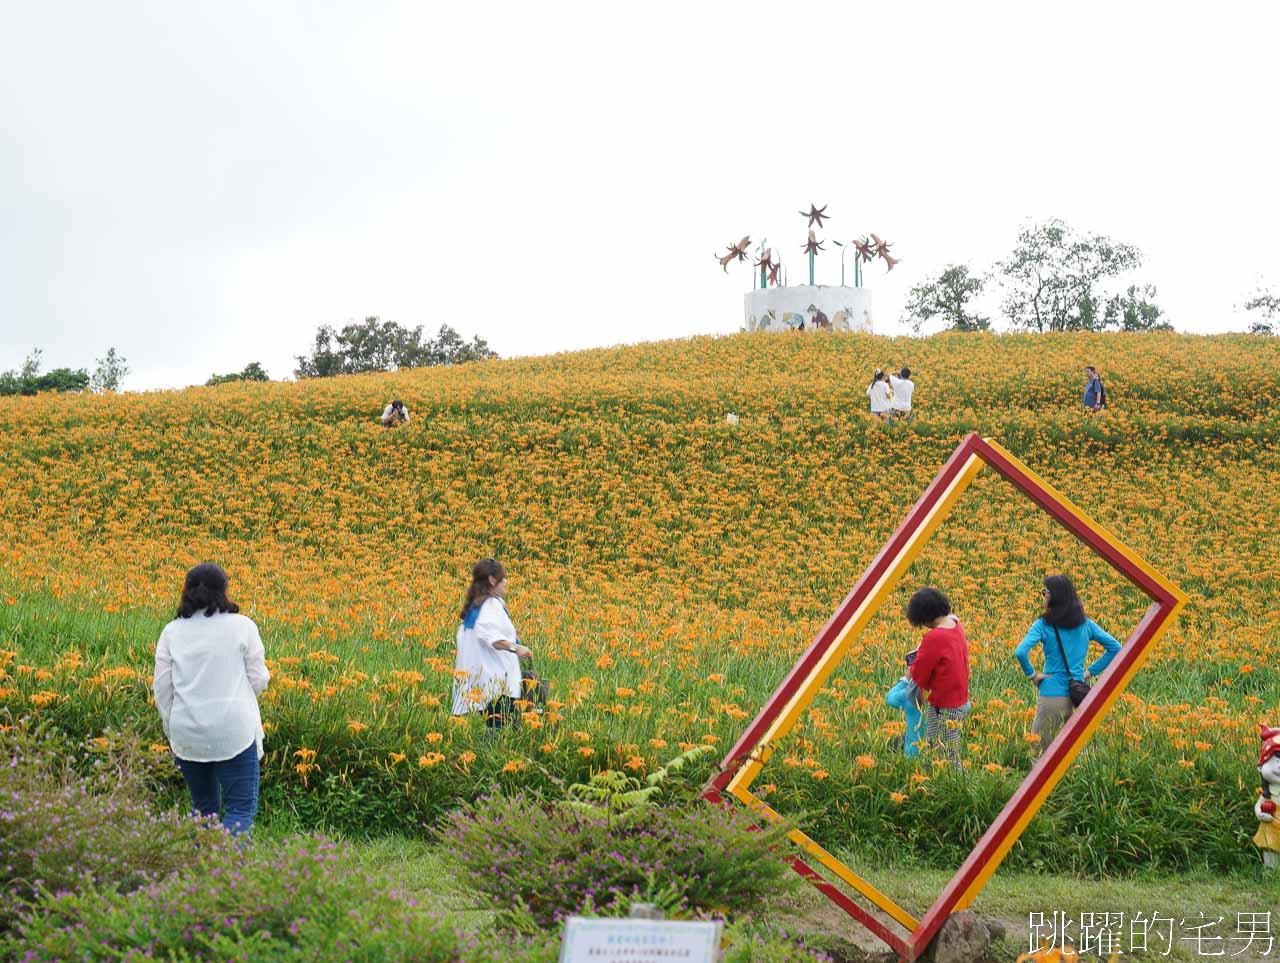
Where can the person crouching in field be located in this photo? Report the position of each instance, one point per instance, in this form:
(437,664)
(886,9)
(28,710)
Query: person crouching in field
(210,668)
(395,414)
(941,669)
(486,674)
(1064,632)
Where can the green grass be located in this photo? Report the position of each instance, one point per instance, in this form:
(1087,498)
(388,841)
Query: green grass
(1008,898)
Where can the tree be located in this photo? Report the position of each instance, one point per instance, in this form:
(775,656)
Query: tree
(110,371)
(947,297)
(1051,277)
(449,348)
(1267,304)
(27,380)
(253,371)
(375,345)
(1135,310)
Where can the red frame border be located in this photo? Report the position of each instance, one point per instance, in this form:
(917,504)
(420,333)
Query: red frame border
(991,848)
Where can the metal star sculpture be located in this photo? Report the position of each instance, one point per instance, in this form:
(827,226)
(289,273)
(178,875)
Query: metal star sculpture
(738,251)
(814,245)
(766,259)
(815,214)
(882,252)
(773,273)
(864,249)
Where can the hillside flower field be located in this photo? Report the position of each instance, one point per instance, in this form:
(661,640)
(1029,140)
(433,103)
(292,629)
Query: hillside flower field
(668,567)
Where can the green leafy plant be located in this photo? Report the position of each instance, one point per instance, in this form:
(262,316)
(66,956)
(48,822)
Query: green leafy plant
(625,800)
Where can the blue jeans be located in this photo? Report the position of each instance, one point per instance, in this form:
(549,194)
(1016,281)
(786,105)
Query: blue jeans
(235,780)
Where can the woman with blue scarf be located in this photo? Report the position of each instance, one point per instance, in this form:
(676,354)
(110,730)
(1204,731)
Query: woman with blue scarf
(486,675)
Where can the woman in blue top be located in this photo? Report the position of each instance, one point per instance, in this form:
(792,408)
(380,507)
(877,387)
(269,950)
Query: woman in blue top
(1064,619)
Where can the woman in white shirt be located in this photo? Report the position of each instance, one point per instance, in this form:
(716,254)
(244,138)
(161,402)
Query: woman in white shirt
(486,675)
(210,667)
(878,392)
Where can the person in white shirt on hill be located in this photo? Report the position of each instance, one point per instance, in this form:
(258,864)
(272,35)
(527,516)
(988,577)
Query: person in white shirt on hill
(210,668)
(486,674)
(903,388)
(878,392)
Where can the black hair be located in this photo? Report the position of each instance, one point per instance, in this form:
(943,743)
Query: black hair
(480,589)
(397,403)
(906,373)
(1063,608)
(926,605)
(205,589)
(1090,367)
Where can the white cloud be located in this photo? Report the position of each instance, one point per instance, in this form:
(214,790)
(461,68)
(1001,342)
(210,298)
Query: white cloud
(201,185)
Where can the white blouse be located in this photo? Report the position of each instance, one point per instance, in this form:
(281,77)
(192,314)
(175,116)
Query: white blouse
(879,394)
(209,671)
(481,672)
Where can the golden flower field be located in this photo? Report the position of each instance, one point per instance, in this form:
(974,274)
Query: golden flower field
(667,568)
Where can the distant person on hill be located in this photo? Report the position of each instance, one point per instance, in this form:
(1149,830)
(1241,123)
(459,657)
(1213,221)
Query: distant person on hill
(903,388)
(878,392)
(210,668)
(941,669)
(1064,632)
(395,414)
(486,674)
(1095,393)
(905,695)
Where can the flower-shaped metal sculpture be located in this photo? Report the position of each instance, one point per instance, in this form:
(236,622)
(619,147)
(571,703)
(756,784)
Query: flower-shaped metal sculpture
(882,252)
(736,251)
(815,214)
(768,267)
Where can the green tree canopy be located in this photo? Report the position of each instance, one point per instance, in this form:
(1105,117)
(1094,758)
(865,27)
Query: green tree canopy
(375,345)
(1265,306)
(28,380)
(1051,278)
(947,296)
(1135,310)
(253,371)
(110,372)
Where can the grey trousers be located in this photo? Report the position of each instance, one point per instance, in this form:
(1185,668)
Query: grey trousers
(1051,713)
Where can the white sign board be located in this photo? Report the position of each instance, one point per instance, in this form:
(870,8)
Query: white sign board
(639,941)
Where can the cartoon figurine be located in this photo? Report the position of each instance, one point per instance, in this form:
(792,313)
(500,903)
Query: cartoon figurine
(1267,837)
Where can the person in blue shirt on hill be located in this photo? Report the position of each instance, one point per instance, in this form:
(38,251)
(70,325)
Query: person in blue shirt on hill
(1095,393)
(1063,619)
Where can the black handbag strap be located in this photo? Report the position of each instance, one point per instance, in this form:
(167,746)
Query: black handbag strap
(1063,653)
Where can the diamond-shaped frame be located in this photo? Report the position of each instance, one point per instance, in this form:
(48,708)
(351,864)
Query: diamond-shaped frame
(788,703)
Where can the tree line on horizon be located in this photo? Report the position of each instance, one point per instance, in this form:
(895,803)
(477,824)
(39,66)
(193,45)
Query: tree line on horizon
(367,346)
(373,345)
(1055,279)
(108,373)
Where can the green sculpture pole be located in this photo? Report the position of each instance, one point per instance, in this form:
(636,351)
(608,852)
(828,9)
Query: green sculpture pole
(760,250)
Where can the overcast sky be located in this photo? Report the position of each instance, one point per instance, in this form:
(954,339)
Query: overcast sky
(202,184)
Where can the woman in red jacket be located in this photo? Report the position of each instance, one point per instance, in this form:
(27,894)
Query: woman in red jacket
(941,668)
